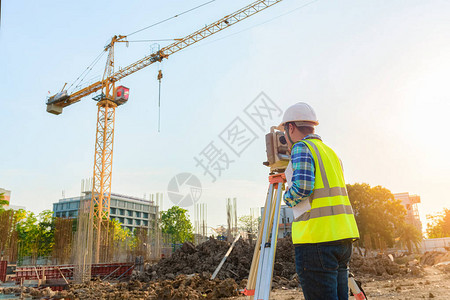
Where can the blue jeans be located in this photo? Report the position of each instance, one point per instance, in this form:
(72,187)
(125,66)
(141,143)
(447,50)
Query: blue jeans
(323,269)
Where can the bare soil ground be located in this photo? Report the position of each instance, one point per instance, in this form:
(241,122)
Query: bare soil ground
(186,275)
(434,283)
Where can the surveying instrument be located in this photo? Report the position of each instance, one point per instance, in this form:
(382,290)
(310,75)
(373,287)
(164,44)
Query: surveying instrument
(259,282)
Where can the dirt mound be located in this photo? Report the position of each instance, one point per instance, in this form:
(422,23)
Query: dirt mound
(203,258)
(284,265)
(207,256)
(190,259)
(182,287)
(380,265)
(430,258)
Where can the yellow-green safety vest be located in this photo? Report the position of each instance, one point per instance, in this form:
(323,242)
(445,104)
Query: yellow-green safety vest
(331,216)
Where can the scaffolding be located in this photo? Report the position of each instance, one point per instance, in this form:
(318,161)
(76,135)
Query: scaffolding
(200,223)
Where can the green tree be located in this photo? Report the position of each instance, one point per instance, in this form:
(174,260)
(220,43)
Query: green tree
(248,224)
(439,225)
(175,221)
(410,236)
(120,234)
(35,234)
(46,233)
(377,213)
(27,236)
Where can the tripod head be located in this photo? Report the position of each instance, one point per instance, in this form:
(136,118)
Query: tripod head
(277,151)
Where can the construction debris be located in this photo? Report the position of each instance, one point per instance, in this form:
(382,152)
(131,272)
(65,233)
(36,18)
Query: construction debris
(190,259)
(207,256)
(380,265)
(203,258)
(182,287)
(186,274)
(432,258)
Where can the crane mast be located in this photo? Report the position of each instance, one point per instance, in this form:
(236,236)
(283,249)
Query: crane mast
(98,208)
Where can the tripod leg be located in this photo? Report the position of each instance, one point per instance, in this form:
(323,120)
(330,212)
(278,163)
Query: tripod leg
(264,238)
(270,258)
(250,289)
(356,291)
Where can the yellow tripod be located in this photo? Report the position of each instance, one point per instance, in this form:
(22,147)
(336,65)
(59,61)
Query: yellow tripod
(260,278)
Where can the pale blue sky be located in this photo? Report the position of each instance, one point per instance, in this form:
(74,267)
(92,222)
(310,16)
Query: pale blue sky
(376,73)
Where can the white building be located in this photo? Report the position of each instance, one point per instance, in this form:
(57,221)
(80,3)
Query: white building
(412,212)
(131,212)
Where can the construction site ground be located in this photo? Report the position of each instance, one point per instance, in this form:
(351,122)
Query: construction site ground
(187,275)
(435,283)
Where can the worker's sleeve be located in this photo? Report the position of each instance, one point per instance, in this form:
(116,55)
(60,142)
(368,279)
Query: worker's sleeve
(303,175)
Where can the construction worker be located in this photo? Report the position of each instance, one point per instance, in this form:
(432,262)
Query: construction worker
(324,226)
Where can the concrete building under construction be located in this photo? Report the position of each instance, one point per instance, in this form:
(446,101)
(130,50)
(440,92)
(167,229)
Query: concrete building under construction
(412,212)
(131,212)
(285,221)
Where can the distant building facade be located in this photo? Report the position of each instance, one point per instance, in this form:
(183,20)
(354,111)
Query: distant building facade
(6,195)
(131,212)
(285,221)
(412,212)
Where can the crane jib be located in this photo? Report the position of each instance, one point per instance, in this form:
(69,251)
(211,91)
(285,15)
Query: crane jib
(56,103)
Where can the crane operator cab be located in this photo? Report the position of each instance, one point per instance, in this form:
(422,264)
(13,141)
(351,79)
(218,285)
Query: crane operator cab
(121,95)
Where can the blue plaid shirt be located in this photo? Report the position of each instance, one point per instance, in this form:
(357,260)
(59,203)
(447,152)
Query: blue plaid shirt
(303,177)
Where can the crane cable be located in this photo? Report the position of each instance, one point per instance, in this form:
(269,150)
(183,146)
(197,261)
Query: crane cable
(165,20)
(88,69)
(253,26)
(160,76)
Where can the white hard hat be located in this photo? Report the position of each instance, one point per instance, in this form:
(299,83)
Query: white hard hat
(301,113)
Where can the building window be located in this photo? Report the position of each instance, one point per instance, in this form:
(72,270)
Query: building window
(130,205)
(72,213)
(130,213)
(113,211)
(145,222)
(138,214)
(120,203)
(130,221)
(138,206)
(121,220)
(113,202)
(145,215)
(121,212)
(138,222)
(146,208)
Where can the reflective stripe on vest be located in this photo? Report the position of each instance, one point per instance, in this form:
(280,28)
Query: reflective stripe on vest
(331,216)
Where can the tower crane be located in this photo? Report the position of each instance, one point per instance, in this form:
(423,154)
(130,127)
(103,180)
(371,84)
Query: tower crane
(111,97)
